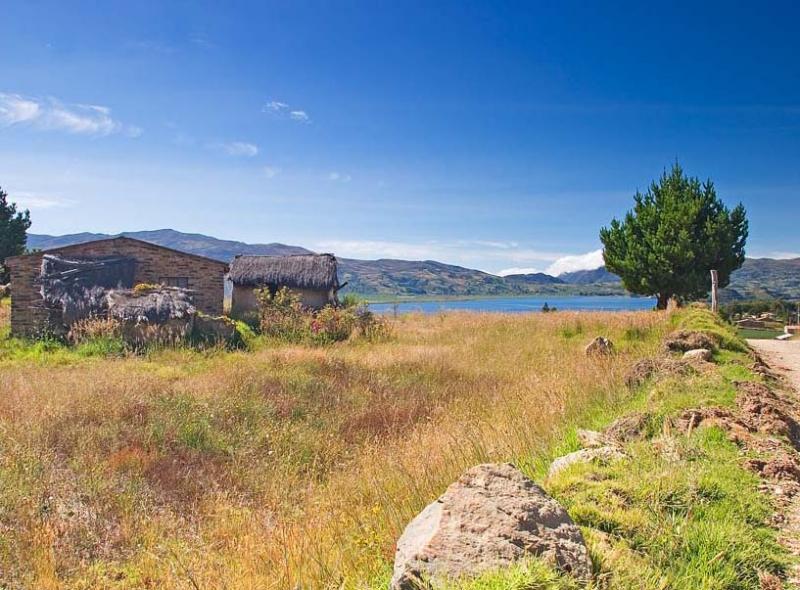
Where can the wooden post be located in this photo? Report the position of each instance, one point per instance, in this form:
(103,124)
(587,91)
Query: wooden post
(714,287)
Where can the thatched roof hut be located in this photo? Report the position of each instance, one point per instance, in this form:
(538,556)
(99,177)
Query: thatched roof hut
(303,271)
(312,276)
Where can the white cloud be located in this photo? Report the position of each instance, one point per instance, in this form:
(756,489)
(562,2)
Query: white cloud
(517,270)
(271,172)
(588,261)
(339,177)
(26,200)
(53,115)
(283,110)
(275,106)
(15,109)
(239,148)
(778,255)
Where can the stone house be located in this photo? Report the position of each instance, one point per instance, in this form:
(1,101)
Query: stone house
(312,276)
(131,261)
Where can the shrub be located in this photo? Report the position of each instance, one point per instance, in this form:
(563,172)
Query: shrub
(332,324)
(143,288)
(281,315)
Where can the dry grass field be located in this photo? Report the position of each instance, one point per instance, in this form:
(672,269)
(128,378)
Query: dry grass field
(281,466)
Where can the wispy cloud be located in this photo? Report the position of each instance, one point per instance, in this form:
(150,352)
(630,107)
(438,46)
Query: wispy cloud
(284,110)
(26,200)
(777,254)
(339,177)
(271,171)
(588,261)
(51,114)
(240,149)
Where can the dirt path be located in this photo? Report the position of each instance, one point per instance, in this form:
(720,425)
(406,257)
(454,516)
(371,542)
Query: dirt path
(783,357)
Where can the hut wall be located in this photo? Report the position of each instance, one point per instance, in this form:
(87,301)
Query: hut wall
(153,264)
(244,301)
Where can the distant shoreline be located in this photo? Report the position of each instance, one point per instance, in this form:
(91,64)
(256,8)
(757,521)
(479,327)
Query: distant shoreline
(399,299)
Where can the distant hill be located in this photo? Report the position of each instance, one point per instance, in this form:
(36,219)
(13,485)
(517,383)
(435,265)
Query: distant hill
(759,277)
(535,278)
(193,243)
(427,277)
(765,278)
(586,277)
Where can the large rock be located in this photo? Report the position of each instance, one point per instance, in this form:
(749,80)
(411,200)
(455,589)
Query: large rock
(599,346)
(489,518)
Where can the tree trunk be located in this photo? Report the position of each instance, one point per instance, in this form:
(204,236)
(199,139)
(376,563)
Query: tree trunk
(663,299)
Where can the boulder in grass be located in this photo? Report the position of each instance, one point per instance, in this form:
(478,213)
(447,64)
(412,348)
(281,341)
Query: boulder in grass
(698,354)
(600,346)
(490,518)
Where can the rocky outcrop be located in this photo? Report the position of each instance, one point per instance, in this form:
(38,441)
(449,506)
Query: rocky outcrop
(491,517)
(599,346)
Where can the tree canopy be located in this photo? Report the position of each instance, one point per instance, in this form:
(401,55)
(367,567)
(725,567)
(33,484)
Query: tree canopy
(675,234)
(13,232)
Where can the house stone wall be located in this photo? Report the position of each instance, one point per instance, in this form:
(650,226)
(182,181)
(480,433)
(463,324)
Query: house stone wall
(153,263)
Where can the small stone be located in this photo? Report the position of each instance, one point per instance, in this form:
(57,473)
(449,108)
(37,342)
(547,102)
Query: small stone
(698,354)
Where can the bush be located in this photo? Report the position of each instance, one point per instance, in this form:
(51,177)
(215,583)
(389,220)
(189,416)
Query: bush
(284,317)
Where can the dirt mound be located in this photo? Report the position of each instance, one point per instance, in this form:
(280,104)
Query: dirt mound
(628,428)
(685,340)
(649,367)
(738,429)
(779,467)
(766,412)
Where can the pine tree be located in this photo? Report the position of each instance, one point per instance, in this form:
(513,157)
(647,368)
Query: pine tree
(13,232)
(676,233)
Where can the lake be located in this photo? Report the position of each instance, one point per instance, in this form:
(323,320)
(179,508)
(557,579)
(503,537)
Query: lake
(521,304)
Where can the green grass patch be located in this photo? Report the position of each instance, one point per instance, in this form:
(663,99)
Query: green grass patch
(756,334)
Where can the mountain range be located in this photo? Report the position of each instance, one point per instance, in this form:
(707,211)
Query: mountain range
(761,277)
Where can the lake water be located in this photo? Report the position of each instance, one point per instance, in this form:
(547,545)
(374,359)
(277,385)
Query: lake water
(521,304)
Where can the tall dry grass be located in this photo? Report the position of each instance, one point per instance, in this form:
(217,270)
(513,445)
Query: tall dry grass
(290,465)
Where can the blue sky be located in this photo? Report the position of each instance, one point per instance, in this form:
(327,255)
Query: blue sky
(492,135)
